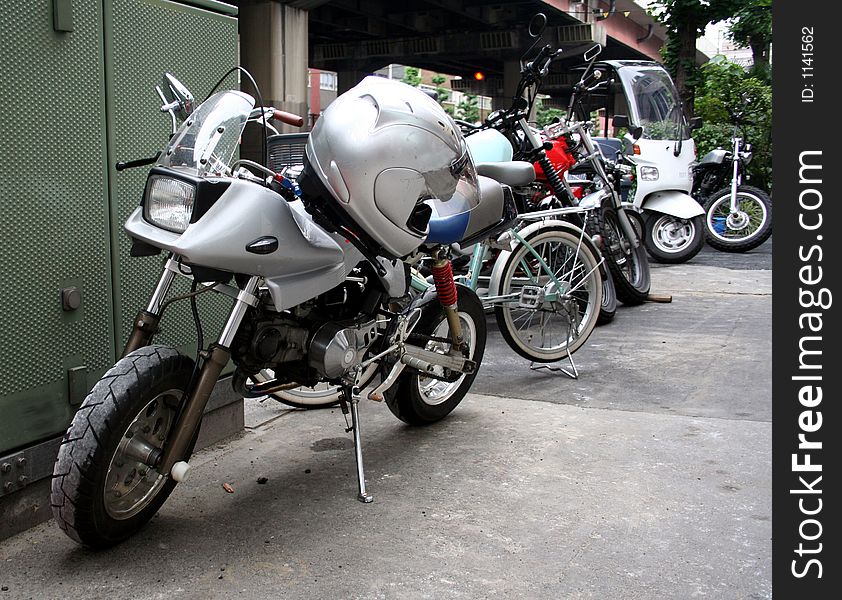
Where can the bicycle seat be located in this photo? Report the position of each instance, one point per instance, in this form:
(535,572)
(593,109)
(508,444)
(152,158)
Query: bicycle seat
(514,173)
(459,220)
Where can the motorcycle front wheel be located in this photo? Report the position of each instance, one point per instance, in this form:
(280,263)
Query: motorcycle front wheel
(743,230)
(672,240)
(568,303)
(419,400)
(102,490)
(628,266)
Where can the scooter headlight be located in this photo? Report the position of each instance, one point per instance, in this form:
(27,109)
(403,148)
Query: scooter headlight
(169,203)
(649,173)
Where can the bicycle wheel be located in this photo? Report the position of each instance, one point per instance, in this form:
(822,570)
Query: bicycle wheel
(553,303)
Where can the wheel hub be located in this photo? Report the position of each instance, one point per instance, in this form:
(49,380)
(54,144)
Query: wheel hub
(737,220)
(131,482)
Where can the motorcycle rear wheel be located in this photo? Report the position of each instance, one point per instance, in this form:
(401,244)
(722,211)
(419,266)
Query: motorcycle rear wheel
(419,400)
(608,309)
(101,493)
(746,230)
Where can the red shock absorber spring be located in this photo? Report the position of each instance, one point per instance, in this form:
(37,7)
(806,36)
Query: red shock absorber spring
(445,286)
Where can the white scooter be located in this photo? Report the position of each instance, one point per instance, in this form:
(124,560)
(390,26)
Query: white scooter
(662,159)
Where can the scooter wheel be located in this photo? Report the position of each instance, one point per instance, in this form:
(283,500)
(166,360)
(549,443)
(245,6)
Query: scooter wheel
(672,240)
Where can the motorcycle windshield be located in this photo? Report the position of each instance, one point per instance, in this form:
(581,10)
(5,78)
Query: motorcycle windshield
(654,103)
(206,142)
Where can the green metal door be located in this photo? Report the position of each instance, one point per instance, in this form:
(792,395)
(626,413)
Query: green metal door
(74,103)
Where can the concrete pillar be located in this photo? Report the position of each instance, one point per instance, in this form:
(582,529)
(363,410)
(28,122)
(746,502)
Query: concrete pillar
(511,77)
(345,80)
(273,48)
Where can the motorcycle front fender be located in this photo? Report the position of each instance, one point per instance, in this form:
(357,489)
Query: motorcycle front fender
(673,203)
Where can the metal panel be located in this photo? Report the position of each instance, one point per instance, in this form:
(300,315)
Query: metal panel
(53,215)
(144,38)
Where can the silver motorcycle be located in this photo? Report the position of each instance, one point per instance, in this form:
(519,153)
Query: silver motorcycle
(318,277)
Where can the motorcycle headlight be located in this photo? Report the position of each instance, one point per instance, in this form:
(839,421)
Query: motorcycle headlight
(649,173)
(169,203)
(745,157)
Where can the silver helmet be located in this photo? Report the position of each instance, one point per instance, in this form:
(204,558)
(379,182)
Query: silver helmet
(380,150)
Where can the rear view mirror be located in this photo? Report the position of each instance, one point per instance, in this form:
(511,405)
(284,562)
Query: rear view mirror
(621,121)
(695,123)
(636,133)
(178,97)
(537,25)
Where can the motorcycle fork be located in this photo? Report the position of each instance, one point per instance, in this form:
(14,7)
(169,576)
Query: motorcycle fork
(447,295)
(146,322)
(214,360)
(735,178)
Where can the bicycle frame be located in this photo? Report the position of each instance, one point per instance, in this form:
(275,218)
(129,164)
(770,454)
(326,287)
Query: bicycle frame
(472,278)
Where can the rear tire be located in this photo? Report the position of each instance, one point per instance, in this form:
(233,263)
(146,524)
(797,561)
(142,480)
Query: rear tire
(100,495)
(419,400)
(530,331)
(672,240)
(609,300)
(750,228)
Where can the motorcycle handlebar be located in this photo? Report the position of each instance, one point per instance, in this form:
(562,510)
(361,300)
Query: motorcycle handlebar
(288,118)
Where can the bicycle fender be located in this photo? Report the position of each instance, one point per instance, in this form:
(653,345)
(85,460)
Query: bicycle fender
(525,233)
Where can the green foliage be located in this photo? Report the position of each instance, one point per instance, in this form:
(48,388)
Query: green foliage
(728,88)
(752,28)
(685,21)
(468,109)
(544,115)
(443,92)
(411,76)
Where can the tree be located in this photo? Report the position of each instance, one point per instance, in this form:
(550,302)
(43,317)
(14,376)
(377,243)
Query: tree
(752,28)
(685,21)
(729,90)
(468,109)
(411,76)
(442,92)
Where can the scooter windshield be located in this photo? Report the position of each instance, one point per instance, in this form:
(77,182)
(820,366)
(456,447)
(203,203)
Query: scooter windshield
(206,142)
(654,103)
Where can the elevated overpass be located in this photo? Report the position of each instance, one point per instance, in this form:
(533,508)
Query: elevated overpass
(280,38)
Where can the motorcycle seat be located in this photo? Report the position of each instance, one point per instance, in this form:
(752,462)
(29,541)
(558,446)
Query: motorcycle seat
(461,220)
(514,173)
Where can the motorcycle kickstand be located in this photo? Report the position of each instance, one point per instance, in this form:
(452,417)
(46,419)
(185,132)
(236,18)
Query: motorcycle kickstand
(349,399)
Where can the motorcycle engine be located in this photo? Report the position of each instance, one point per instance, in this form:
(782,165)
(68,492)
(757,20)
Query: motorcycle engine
(320,340)
(337,347)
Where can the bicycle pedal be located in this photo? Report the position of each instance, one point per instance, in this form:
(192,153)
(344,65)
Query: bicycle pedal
(530,297)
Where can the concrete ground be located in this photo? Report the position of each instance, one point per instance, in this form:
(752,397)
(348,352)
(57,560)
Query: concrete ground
(649,477)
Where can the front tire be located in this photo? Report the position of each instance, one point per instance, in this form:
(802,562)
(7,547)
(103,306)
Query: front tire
(101,493)
(628,266)
(672,240)
(743,231)
(419,400)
